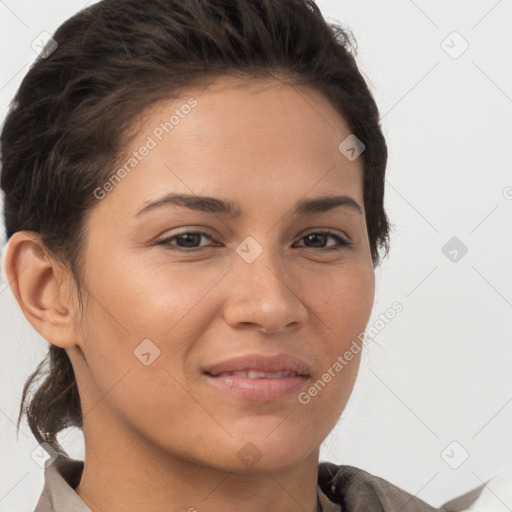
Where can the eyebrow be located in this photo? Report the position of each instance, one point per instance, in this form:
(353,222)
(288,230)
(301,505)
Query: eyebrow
(232,209)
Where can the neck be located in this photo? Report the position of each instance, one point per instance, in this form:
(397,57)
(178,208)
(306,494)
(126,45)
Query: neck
(134,476)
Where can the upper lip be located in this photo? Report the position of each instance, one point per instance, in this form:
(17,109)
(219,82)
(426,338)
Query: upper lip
(260,363)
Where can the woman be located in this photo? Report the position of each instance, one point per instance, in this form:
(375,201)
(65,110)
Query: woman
(194,208)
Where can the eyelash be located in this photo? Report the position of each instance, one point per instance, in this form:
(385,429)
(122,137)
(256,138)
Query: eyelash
(166,241)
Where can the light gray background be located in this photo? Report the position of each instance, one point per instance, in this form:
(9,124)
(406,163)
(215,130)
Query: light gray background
(440,371)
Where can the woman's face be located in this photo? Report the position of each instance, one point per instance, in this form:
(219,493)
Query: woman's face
(161,319)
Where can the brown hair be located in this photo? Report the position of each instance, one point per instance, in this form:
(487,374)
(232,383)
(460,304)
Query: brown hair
(67,125)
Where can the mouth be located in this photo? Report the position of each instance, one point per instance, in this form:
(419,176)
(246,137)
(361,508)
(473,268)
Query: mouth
(253,374)
(272,365)
(259,377)
(258,386)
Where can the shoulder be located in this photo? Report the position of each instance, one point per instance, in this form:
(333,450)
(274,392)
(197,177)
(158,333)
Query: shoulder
(357,490)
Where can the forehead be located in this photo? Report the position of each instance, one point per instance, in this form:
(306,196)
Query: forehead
(236,136)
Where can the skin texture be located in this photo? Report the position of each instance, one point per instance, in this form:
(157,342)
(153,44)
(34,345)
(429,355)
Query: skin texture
(161,437)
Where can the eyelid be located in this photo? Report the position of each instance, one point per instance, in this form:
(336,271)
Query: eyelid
(327,231)
(166,240)
(345,240)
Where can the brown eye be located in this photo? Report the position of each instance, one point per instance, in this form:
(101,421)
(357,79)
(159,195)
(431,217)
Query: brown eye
(185,241)
(319,239)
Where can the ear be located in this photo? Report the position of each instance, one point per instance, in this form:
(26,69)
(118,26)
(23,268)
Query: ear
(39,285)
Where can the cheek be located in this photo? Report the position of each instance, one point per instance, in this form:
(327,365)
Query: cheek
(343,299)
(342,303)
(166,307)
(132,380)
(153,301)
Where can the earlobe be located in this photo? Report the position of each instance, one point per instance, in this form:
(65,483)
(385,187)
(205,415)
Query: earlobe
(36,285)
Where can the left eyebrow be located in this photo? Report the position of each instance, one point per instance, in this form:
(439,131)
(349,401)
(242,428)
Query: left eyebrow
(326,203)
(233,209)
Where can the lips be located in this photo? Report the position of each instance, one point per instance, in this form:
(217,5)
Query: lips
(258,366)
(259,377)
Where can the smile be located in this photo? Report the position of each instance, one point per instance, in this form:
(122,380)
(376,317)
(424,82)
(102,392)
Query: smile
(253,374)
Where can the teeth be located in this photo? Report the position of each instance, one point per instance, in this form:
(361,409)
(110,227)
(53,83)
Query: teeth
(275,375)
(256,375)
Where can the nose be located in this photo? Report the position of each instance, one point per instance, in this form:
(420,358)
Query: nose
(262,296)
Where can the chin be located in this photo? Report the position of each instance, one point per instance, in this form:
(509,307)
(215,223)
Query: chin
(271,453)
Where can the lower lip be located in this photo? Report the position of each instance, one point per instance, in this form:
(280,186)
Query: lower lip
(263,389)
